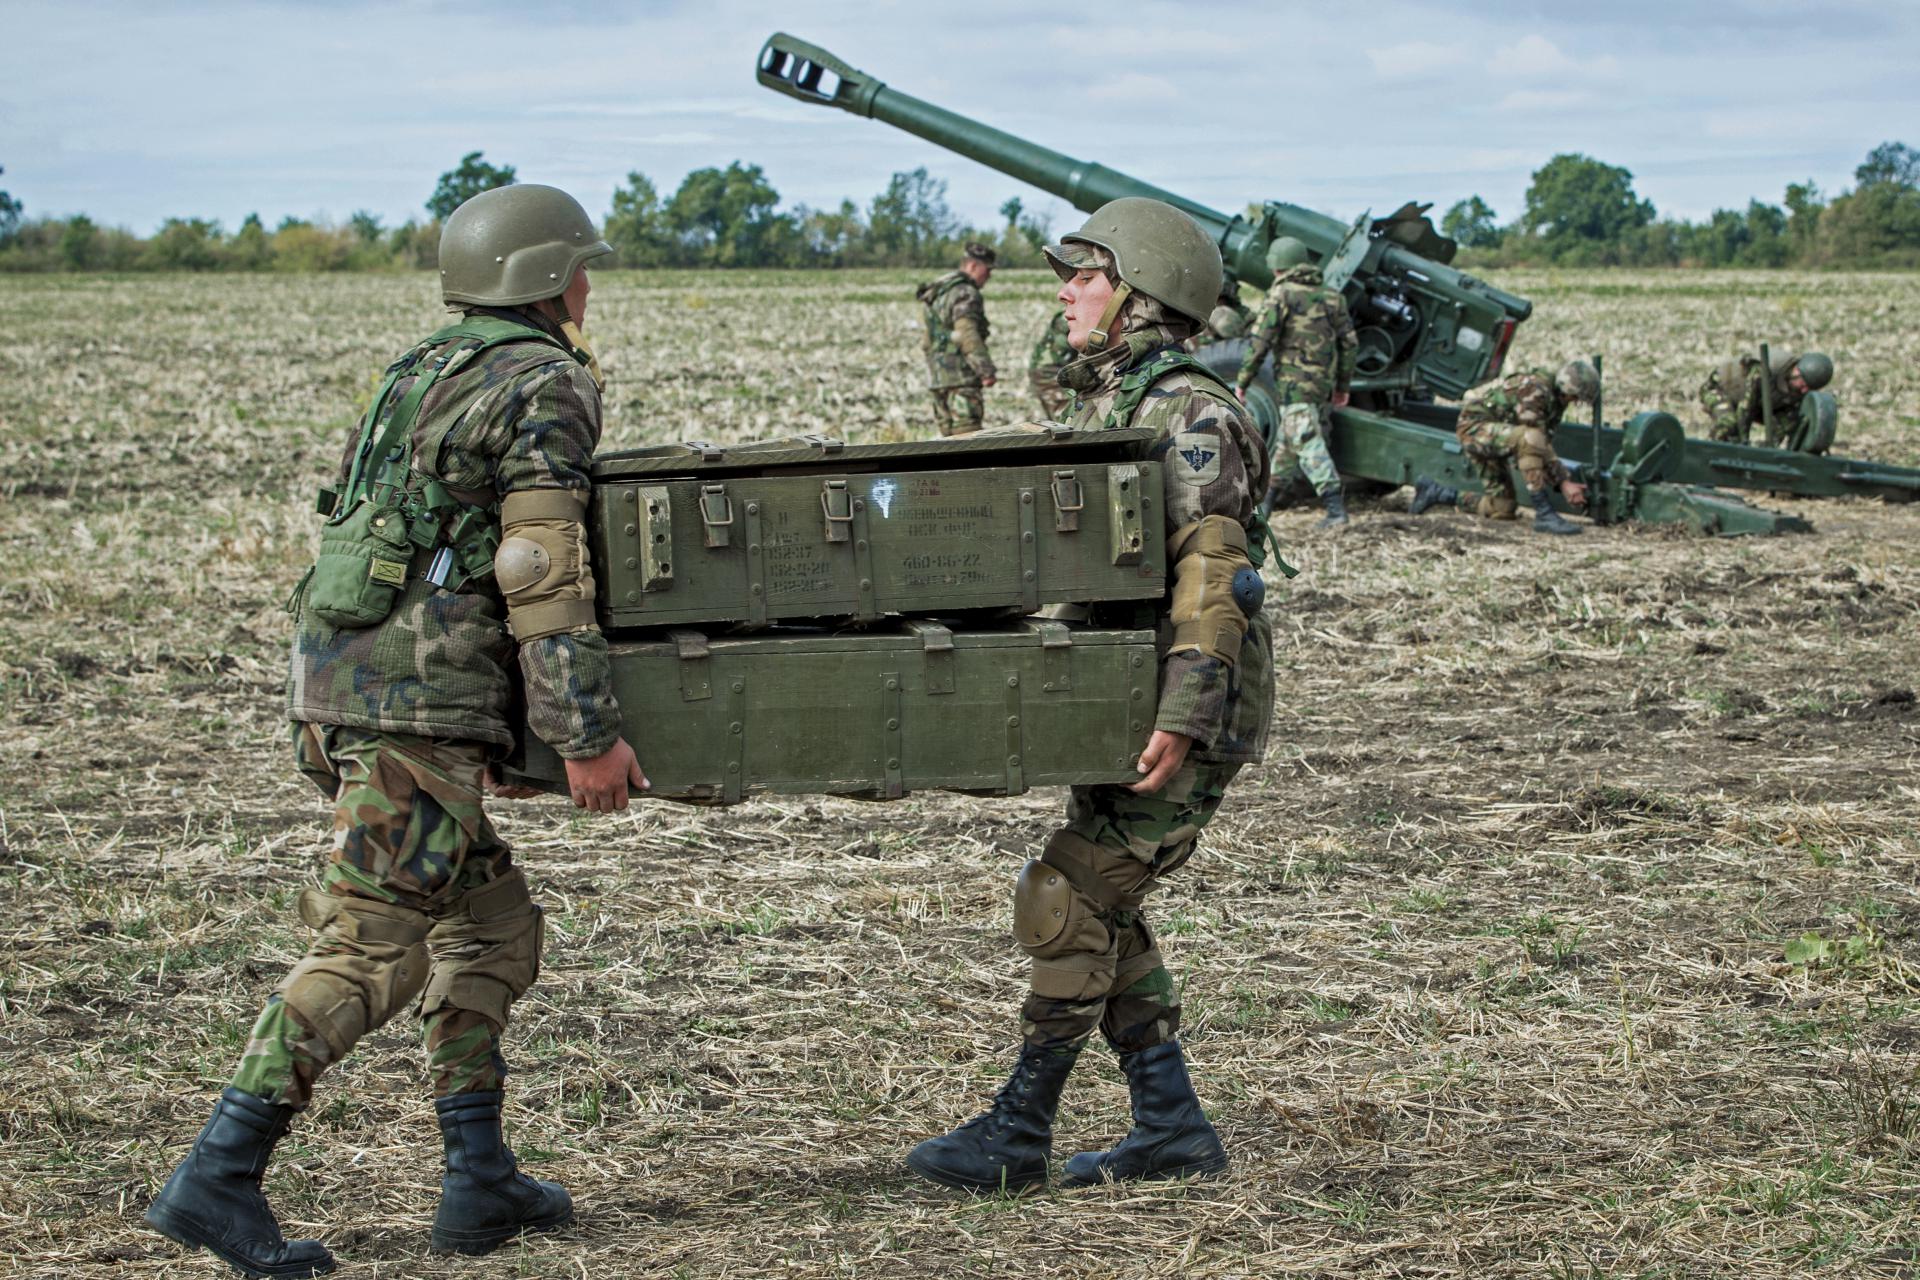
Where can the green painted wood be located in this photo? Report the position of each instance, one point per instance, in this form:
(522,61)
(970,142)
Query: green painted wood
(915,706)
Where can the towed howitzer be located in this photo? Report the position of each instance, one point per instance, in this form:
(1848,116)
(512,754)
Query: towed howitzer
(1425,329)
(1423,326)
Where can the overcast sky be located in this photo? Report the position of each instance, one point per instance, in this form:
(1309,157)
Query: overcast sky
(134,112)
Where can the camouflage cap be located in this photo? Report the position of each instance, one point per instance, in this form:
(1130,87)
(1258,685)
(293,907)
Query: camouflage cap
(1577,380)
(981,252)
(1067,259)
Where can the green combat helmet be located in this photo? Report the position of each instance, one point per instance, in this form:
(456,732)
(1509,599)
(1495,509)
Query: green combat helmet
(514,245)
(1227,323)
(1577,380)
(1157,250)
(1285,253)
(1816,369)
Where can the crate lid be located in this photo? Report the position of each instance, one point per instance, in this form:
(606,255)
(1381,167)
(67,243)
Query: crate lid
(1009,446)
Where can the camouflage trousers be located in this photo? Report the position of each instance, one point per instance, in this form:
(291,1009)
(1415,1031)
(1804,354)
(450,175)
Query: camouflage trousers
(1726,417)
(1055,400)
(1078,912)
(420,899)
(958,410)
(1302,443)
(1494,448)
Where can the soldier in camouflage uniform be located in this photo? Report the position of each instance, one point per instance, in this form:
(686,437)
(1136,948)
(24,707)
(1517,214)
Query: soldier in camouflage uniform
(1306,327)
(399,716)
(955,342)
(1731,395)
(1043,369)
(1139,278)
(1511,423)
(1229,319)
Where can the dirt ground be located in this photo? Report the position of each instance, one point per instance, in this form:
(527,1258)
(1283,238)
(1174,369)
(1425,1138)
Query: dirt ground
(1571,928)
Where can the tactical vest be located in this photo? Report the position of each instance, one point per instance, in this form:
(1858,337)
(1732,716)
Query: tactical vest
(386,510)
(1134,385)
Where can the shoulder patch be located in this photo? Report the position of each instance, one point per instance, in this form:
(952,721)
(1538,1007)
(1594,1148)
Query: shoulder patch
(1196,457)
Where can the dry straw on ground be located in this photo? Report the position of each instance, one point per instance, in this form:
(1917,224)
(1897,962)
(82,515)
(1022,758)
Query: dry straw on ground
(1569,930)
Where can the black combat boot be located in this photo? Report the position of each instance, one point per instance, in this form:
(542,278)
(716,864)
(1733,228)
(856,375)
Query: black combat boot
(1428,494)
(484,1198)
(1545,518)
(1336,504)
(1171,1136)
(1006,1147)
(214,1201)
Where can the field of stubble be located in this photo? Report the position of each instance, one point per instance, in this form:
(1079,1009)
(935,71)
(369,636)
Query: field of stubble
(1570,929)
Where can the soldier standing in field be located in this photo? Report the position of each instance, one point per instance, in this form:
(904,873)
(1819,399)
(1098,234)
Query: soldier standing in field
(1511,423)
(1138,279)
(1306,327)
(1043,369)
(955,341)
(455,548)
(1732,398)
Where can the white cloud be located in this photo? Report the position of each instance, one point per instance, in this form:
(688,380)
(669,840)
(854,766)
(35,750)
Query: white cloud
(1133,86)
(1524,100)
(1534,57)
(1415,58)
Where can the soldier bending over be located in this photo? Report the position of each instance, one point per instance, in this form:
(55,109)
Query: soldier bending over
(1732,400)
(1511,423)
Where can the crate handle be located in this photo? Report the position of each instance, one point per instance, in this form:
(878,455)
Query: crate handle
(836,504)
(716,513)
(1069,500)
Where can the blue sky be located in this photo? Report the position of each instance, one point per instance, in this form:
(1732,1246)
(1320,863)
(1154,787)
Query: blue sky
(133,112)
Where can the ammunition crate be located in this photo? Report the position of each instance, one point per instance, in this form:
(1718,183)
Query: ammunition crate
(916,705)
(812,528)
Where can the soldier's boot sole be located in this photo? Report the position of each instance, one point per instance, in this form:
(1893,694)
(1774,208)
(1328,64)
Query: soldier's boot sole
(474,1243)
(185,1230)
(1209,1167)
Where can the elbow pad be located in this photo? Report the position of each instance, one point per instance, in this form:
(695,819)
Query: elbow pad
(1207,556)
(542,564)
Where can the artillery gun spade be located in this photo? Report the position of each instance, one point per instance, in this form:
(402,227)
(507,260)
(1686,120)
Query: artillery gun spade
(1425,328)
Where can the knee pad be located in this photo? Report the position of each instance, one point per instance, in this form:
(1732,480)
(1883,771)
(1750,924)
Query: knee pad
(1497,506)
(369,961)
(486,950)
(1064,931)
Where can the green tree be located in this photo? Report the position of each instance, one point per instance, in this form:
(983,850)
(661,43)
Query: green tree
(10,211)
(1471,224)
(465,181)
(1890,163)
(80,244)
(637,225)
(831,237)
(725,217)
(186,244)
(1803,214)
(1578,203)
(249,250)
(910,222)
(366,226)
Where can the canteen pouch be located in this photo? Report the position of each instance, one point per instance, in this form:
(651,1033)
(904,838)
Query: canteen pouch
(361,568)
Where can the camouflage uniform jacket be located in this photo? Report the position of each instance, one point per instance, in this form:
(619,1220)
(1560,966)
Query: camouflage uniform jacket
(1214,463)
(523,415)
(1737,382)
(1306,326)
(955,337)
(1526,399)
(1052,350)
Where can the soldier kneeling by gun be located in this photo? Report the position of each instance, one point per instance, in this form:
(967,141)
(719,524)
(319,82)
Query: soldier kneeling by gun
(1138,279)
(1511,423)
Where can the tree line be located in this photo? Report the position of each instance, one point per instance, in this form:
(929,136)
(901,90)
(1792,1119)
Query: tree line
(716,218)
(1582,212)
(1579,212)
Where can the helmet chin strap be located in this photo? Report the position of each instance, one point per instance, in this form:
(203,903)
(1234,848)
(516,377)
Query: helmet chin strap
(1097,340)
(571,332)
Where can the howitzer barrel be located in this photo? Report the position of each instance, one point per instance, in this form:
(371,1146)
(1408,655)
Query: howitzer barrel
(1422,322)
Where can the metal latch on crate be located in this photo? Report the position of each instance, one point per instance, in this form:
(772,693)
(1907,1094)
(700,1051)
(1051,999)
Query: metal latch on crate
(1068,501)
(716,515)
(837,505)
